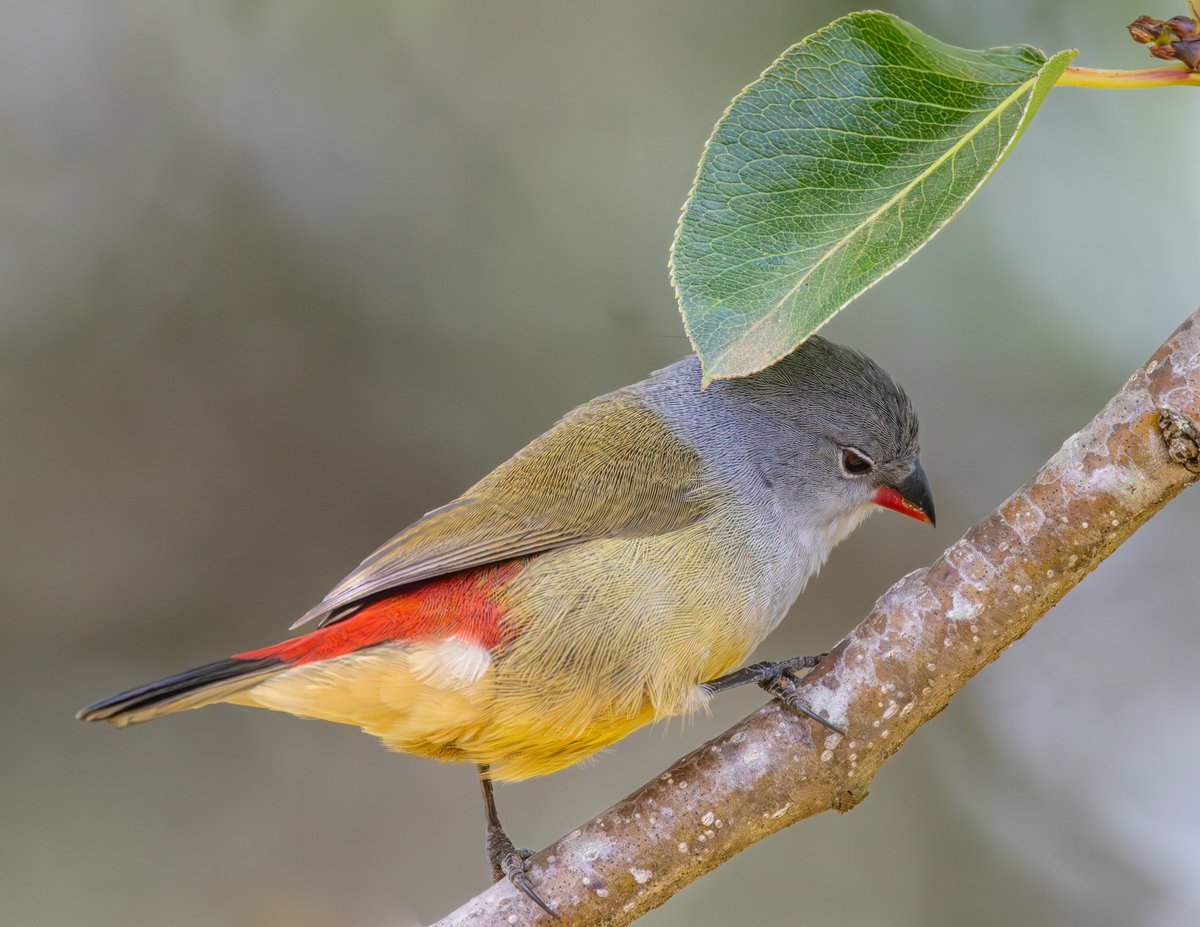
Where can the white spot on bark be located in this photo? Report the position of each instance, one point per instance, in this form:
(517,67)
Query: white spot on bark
(962,608)
(1023,516)
(972,566)
(641,876)
(855,676)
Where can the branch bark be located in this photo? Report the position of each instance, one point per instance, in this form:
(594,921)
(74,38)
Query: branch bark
(925,638)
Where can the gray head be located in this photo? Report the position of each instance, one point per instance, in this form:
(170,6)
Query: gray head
(824,428)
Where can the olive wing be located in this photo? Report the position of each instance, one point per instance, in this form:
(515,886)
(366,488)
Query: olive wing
(611,468)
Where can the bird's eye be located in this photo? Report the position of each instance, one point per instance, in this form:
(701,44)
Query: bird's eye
(854,462)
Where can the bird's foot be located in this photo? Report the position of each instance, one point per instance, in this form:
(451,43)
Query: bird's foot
(782,682)
(761,673)
(509,862)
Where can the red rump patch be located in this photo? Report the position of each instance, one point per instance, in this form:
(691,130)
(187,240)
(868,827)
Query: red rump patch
(463,605)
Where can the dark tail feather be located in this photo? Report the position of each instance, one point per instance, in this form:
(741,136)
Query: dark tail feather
(203,685)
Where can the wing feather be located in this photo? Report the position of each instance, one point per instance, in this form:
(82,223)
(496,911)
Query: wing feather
(611,468)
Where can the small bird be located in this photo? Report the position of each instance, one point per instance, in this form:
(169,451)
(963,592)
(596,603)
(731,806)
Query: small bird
(612,573)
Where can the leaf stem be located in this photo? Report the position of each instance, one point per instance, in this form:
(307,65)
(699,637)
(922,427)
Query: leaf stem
(1128,79)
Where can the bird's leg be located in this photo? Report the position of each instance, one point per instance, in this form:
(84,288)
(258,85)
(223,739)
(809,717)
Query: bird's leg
(778,679)
(505,858)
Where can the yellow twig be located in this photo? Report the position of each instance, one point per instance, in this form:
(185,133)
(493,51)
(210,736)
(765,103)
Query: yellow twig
(1128,79)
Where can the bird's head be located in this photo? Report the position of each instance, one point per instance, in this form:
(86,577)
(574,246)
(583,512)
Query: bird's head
(827,427)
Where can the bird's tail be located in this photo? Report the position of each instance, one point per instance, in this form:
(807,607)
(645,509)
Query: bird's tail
(458,604)
(204,685)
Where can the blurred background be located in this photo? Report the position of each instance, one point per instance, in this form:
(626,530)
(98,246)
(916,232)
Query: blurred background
(278,277)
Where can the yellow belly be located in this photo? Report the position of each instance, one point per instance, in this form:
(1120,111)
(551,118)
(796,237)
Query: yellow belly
(457,718)
(607,637)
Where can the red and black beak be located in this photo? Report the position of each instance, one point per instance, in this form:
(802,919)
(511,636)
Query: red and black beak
(909,497)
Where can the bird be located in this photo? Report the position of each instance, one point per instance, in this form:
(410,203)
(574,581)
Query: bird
(616,571)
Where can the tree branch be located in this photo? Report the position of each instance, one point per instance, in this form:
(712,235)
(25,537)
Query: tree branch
(929,634)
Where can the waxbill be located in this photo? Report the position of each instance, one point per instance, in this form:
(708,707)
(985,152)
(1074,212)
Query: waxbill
(612,573)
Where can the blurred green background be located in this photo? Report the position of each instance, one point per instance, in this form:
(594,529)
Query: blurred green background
(278,277)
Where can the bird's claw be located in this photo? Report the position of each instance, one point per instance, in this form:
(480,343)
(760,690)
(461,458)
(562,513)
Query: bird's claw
(783,686)
(514,866)
(509,862)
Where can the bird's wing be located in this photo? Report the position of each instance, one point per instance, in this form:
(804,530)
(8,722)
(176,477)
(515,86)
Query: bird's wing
(611,468)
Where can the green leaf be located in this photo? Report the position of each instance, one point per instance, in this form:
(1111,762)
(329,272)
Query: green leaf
(831,170)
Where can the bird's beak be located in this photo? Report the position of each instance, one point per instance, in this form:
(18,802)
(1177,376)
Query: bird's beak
(910,497)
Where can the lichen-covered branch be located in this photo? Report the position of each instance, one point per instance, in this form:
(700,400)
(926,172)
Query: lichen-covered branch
(928,635)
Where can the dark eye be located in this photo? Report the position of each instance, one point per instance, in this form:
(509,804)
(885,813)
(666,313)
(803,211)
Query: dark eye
(854,462)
